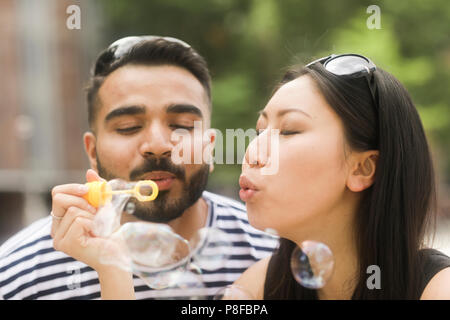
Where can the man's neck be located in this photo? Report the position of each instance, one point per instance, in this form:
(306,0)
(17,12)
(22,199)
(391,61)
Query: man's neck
(192,219)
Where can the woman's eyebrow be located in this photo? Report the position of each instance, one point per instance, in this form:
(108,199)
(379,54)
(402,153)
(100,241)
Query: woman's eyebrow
(284,111)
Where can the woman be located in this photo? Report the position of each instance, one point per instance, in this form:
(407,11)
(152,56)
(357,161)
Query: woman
(355,173)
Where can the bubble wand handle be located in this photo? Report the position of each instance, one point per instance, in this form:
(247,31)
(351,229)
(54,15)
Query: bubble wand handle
(100,192)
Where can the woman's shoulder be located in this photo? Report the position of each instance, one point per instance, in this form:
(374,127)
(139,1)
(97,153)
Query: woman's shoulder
(253,279)
(436,272)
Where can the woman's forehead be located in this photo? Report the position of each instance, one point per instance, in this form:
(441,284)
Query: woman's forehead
(301,93)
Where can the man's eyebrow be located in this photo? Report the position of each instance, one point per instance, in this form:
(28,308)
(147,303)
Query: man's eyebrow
(125,111)
(184,108)
(284,111)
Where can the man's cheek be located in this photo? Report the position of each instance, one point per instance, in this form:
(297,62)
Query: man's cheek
(115,164)
(187,150)
(190,171)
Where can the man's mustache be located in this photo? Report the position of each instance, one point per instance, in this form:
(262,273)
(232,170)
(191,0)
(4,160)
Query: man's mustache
(158,164)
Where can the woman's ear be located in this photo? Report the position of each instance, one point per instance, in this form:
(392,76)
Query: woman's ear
(362,173)
(89,146)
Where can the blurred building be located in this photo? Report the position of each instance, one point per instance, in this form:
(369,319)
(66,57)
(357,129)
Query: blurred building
(44,67)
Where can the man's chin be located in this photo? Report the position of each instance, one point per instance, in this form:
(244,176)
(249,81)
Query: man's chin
(162,209)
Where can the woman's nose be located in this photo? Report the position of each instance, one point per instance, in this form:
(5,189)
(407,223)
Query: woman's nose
(258,151)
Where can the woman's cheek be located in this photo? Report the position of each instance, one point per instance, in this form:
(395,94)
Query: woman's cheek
(300,169)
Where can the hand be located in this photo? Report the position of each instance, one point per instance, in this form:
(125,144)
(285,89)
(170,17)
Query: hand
(69,197)
(72,234)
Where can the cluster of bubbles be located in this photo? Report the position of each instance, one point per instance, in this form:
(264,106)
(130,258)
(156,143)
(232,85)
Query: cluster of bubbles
(163,259)
(154,252)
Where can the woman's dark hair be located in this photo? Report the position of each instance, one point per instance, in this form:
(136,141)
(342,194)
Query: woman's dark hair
(395,212)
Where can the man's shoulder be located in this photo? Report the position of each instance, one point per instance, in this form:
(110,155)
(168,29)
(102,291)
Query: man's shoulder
(31,235)
(233,206)
(30,268)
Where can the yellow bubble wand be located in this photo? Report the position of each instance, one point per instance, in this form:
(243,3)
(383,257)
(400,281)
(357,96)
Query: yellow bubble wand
(100,192)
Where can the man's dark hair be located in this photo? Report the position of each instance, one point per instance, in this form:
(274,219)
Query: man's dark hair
(158,51)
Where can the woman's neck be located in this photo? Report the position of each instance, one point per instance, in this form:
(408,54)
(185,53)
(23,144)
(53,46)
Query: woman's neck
(344,279)
(338,233)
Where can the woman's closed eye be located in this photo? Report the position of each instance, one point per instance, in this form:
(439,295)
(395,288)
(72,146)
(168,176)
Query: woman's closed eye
(282,132)
(289,132)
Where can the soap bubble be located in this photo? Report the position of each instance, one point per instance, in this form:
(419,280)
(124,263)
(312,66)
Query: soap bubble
(130,207)
(154,245)
(152,251)
(188,280)
(194,268)
(312,264)
(115,252)
(233,292)
(210,248)
(157,254)
(189,284)
(107,218)
(162,278)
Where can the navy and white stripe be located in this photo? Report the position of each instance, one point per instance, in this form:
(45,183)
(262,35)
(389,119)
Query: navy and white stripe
(31,269)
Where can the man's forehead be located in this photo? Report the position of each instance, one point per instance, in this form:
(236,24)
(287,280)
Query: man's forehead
(154,86)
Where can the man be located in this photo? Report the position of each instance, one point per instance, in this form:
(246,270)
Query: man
(141,91)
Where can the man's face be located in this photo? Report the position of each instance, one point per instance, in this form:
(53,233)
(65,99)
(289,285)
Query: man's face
(139,107)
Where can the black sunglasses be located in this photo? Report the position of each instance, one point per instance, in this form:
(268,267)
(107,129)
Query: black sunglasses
(122,46)
(351,66)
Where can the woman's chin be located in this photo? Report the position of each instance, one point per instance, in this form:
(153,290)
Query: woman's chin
(256,220)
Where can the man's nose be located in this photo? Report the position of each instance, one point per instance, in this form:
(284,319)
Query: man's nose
(156,142)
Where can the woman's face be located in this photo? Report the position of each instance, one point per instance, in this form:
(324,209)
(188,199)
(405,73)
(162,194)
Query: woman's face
(310,181)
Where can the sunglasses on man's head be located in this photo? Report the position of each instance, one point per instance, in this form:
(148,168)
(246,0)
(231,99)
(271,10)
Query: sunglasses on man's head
(350,65)
(122,46)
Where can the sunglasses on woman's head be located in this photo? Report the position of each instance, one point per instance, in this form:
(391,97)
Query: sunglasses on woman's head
(351,66)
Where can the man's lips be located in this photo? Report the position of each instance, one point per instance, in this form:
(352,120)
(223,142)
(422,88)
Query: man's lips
(163,179)
(248,189)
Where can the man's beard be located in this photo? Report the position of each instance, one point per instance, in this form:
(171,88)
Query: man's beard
(164,209)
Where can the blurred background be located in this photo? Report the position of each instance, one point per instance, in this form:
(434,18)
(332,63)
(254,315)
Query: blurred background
(45,66)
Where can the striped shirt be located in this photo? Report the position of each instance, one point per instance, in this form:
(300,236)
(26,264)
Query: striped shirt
(30,268)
